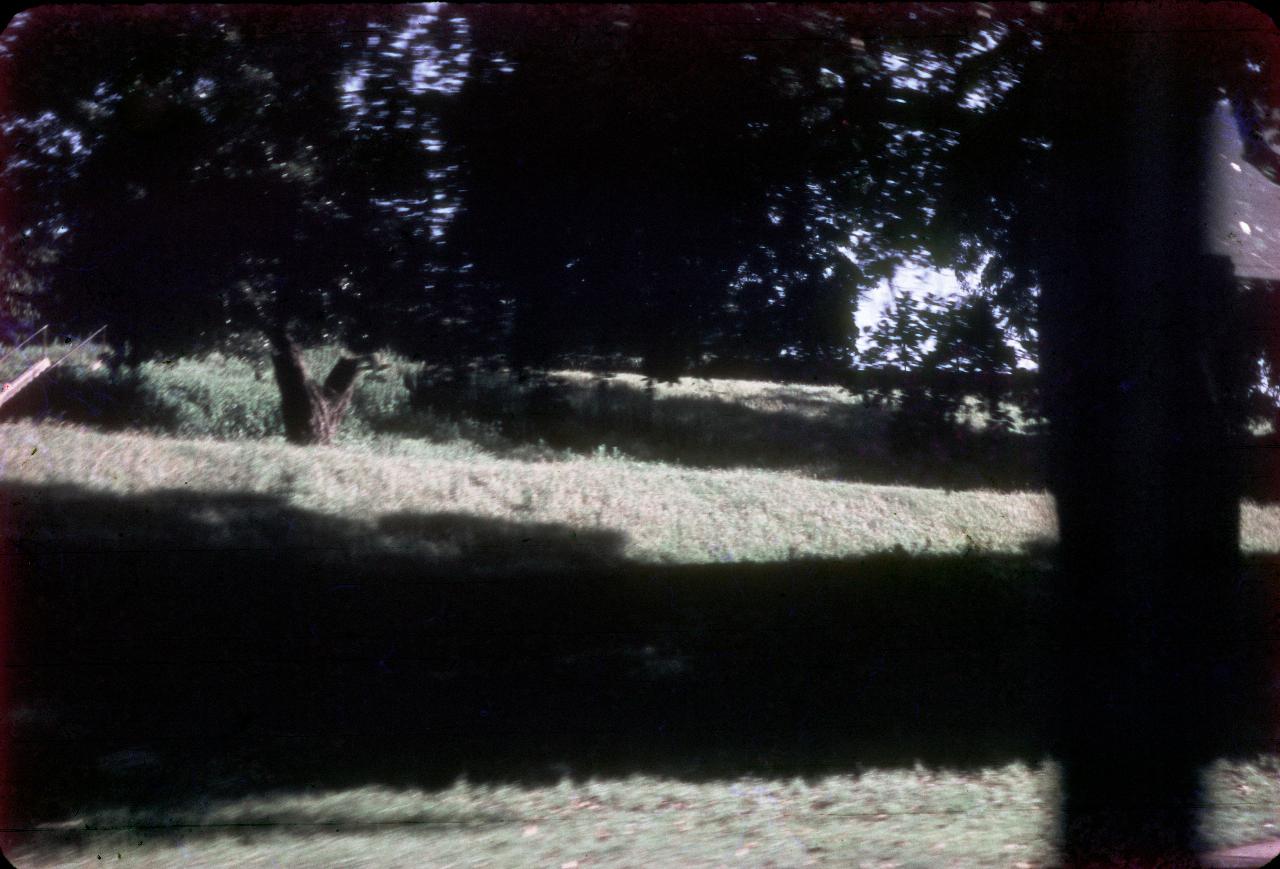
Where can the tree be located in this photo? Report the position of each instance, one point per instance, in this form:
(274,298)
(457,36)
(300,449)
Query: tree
(652,182)
(187,172)
(898,343)
(971,344)
(1086,182)
(1061,148)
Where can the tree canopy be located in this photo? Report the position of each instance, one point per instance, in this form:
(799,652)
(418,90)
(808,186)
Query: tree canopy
(733,203)
(180,173)
(678,185)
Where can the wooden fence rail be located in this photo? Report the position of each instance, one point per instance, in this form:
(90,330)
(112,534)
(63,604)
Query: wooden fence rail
(13,388)
(41,366)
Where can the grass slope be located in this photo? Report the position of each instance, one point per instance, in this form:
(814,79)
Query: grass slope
(474,647)
(816,430)
(665,513)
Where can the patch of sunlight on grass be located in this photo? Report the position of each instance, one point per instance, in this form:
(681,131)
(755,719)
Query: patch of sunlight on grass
(762,395)
(1259,527)
(669,513)
(1243,802)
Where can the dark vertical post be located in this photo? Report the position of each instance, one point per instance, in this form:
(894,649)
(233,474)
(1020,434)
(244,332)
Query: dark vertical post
(1146,492)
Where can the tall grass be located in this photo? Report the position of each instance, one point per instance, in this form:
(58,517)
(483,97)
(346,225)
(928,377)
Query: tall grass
(667,513)
(821,431)
(902,818)
(210,396)
(875,819)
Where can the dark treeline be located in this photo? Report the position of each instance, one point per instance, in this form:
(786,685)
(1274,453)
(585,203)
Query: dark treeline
(710,188)
(658,182)
(695,189)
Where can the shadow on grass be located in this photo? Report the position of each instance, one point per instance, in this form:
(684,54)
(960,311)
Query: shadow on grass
(844,441)
(92,398)
(801,432)
(180,646)
(1260,464)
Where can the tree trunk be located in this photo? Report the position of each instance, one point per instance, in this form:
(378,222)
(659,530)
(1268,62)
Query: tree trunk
(1146,489)
(312,412)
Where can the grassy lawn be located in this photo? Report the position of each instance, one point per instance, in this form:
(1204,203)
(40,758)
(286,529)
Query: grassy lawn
(909,818)
(659,512)
(906,818)
(463,646)
(816,431)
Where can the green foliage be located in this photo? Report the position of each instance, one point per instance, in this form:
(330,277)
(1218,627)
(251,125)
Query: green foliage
(822,431)
(219,176)
(94,398)
(210,396)
(215,397)
(944,353)
(901,339)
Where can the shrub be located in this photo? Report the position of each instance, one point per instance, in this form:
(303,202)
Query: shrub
(924,421)
(213,395)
